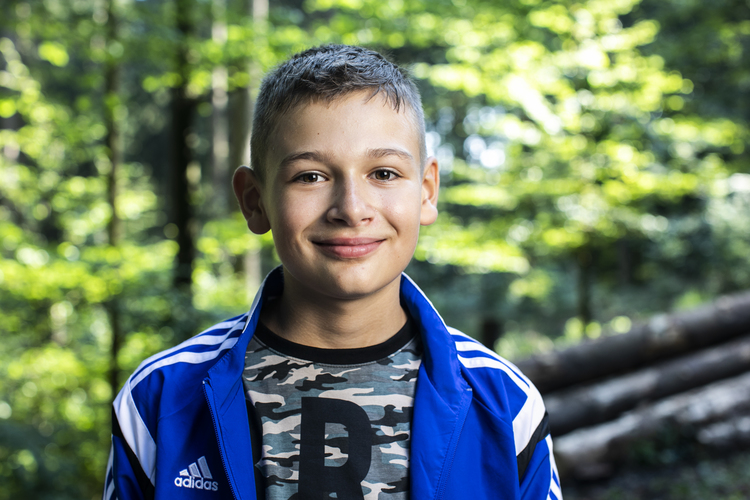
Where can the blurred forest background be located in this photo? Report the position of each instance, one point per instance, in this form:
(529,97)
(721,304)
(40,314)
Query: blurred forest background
(593,156)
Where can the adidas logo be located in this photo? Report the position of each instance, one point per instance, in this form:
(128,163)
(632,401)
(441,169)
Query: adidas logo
(197,476)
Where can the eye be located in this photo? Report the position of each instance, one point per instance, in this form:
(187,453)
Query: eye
(384,175)
(309,178)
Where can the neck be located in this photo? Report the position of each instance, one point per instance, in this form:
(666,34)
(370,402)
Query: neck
(307,318)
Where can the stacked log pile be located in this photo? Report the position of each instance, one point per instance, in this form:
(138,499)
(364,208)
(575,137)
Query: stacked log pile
(688,371)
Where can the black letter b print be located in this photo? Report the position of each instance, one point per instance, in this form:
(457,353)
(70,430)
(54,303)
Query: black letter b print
(316,480)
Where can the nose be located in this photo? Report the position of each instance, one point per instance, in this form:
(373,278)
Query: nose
(350,204)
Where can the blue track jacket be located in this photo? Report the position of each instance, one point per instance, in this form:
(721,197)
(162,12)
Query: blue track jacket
(181,429)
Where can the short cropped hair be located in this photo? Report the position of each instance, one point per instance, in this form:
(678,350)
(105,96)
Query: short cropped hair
(328,73)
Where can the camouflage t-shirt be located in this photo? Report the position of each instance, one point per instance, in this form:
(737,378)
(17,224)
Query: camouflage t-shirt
(332,423)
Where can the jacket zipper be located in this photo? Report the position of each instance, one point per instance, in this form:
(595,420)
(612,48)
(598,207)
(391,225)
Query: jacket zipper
(206,388)
(453,445)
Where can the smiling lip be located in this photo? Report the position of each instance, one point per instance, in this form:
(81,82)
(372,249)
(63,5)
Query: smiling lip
(349,248)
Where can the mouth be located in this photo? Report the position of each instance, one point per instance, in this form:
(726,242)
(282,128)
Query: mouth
(348,248)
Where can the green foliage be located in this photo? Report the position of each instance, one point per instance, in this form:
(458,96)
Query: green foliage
(593,158)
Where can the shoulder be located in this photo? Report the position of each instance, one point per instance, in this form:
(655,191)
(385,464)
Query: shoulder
(517,411)
(501,387)
(182,364)
(474,356)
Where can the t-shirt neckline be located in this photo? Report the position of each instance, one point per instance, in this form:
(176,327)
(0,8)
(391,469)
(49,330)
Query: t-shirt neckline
(354,356)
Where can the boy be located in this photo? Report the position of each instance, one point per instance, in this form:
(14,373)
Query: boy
(342,381)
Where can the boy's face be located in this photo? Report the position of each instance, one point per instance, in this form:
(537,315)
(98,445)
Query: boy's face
(344,194)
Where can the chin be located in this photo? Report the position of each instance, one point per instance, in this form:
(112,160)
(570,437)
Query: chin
(350,291)
(357,288)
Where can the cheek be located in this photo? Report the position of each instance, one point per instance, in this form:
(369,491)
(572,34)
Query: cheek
(292,217)
(404,211)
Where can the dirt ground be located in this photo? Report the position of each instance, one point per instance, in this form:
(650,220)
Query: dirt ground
(711,478)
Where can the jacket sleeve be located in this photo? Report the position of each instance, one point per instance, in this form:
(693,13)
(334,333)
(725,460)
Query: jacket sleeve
(540,479)
(125,479)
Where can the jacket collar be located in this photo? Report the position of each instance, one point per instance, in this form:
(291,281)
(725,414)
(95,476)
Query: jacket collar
(226,373)
(440,359)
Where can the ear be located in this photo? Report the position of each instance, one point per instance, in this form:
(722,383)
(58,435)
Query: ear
(430,187)
(247,189)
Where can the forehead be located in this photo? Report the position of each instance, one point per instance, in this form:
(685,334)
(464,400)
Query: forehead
(344,129)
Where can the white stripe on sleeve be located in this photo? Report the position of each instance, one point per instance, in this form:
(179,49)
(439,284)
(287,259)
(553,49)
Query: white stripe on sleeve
(482,362)
(200,339)
(184,357)
(528,419)
(554,487)
(135,432)
(109,481)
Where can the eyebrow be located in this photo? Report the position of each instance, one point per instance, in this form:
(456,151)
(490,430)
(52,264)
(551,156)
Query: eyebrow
(315,156)
(384,152)
(321,157)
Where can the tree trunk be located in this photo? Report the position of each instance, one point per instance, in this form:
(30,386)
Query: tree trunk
(114,229)
(183,110)
(583,406)
(241,113)
(664,336)
(585,265)
(222,195)
(733,433)
(240,127)
(624,262)
(592,452)
(491,331)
